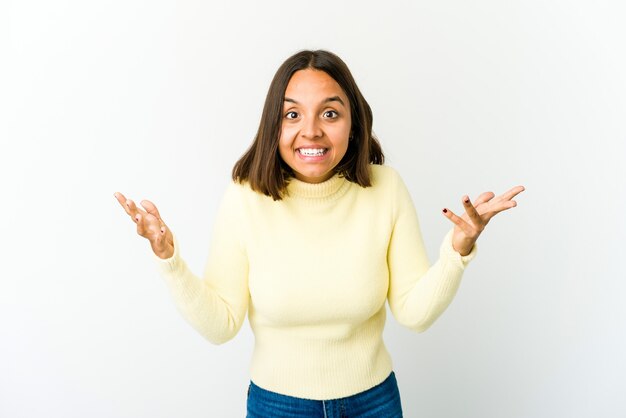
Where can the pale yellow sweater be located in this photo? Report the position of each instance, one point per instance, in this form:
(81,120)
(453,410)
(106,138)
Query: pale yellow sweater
(313,272)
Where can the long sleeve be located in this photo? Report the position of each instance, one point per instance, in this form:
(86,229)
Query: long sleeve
(314,272)
(216,304)
(419,292)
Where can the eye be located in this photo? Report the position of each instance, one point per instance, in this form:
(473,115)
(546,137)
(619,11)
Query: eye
(291,115)
(331,114)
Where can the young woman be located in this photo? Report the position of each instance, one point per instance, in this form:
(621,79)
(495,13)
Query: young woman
(313,235)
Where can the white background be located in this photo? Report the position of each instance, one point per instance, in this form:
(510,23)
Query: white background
(158,99)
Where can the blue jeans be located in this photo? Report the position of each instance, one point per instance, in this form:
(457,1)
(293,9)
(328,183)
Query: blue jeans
(381,401)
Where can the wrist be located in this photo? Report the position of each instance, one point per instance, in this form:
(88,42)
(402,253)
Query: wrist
(464,247)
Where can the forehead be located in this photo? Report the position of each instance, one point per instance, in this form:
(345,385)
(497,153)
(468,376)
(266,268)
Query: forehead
(311,82)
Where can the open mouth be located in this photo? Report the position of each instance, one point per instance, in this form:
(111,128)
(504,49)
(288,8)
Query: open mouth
(312,152)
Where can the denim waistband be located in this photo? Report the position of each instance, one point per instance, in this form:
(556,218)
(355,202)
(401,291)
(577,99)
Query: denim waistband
(381,401)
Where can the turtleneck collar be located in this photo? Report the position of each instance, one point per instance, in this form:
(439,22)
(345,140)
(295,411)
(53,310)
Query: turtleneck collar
(330,189)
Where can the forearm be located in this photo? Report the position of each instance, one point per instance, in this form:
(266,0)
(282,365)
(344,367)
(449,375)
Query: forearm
(428,299)
(200,303)
(416,303)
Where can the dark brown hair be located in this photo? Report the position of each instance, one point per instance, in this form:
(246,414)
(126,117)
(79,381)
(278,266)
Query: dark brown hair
(262,166)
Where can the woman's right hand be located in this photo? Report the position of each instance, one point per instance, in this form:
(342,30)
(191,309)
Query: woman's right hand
(149,225)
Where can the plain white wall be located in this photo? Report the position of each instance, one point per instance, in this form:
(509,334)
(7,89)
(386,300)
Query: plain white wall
(157,100)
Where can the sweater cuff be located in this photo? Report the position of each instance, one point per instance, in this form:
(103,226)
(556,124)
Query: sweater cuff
(169,265)
(448,253)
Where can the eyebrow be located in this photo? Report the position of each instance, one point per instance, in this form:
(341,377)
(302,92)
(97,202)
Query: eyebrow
(327,100)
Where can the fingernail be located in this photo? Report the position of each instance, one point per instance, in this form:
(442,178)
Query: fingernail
(445,210)
(466,200)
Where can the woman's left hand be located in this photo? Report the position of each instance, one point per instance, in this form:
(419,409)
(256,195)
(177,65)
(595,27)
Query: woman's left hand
(477,215)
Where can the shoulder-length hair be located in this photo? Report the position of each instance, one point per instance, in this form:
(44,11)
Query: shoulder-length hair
(262,166)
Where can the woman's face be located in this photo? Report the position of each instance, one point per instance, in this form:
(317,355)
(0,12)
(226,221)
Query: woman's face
(316,125)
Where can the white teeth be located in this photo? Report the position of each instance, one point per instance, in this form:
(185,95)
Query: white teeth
(312,152)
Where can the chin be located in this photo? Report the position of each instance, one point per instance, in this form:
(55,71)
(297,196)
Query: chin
(316,177)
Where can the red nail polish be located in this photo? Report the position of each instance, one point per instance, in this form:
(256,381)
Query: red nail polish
(466,200)
(445,210)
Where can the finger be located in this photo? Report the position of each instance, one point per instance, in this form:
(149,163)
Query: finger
(511,193)
(119,197)
(458,221)
(499,208)
(128,205)
(122,201)
(502,205)
(150,227)
(134,210)
(141,229)
(146,227)
(151,209)
(474,216)
(505,206)
(484,197)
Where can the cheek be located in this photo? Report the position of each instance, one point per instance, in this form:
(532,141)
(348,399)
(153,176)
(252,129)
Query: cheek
(286,138)
(343,149)
(284,146)
(341,139)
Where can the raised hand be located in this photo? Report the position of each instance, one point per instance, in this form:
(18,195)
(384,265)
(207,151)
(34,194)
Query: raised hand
(477,215)
(149,225)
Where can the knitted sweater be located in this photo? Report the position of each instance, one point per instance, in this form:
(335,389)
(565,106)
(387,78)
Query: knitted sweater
(313,272)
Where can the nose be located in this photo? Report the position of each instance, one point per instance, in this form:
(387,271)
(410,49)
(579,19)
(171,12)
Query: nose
(311,128)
